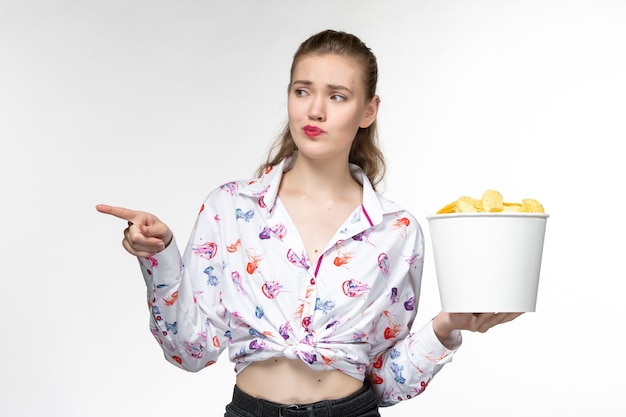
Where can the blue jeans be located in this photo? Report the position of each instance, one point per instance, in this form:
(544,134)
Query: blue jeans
(362,403)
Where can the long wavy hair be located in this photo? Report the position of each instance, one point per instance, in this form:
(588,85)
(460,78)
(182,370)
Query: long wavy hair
(365,151)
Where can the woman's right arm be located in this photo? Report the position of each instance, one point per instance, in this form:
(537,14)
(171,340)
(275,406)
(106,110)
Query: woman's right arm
(187,317)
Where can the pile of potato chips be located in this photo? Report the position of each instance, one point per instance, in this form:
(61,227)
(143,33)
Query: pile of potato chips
(491,202)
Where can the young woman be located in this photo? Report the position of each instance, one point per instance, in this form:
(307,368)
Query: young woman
(308,276)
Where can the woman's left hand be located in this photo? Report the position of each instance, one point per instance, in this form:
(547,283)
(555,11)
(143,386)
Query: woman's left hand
(444,323)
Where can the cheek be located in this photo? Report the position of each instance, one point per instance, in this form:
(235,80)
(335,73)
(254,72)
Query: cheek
(289,108)
(351,119)
(295,106)
(292,118)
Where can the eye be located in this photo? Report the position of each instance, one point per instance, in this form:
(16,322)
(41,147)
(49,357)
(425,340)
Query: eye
(337,97)
(299,92)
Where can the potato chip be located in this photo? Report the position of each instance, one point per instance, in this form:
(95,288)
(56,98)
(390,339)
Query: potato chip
(532,206)
(449,208)
(477,204)
(512,207)
(465,207)
(491,202)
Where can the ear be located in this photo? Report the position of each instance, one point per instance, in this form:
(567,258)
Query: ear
(371,111)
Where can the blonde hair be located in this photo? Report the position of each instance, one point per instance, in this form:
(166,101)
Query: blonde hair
(365,151)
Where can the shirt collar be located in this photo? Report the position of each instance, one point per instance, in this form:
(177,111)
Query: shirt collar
(266,187)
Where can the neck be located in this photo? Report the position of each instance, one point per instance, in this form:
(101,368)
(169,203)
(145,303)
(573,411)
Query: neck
(321,178)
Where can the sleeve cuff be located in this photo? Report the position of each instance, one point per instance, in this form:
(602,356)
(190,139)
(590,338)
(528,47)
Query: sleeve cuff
(431,343)
(162,269)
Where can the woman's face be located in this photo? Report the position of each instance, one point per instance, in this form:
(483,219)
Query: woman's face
(327,104)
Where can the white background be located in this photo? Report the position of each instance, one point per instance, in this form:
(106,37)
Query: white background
(149,104)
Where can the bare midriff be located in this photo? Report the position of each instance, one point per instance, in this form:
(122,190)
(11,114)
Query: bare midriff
(289,381)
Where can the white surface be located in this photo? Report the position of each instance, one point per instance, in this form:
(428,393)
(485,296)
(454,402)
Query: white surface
(149,104)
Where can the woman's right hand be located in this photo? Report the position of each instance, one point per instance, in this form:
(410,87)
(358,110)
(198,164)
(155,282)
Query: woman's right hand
(145,235)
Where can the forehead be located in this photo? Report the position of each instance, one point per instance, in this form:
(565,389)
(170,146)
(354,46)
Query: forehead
(329,69)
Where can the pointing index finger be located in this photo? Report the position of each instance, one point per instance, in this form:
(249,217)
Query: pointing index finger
(120,212)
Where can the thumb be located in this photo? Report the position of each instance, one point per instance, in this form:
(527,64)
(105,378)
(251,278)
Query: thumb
(158,230)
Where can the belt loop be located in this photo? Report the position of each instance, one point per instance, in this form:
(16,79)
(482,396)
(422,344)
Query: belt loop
(309,411)
(329,408)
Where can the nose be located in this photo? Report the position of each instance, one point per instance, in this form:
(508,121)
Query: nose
(317,112)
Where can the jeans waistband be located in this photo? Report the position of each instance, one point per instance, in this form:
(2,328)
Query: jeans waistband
(354,405)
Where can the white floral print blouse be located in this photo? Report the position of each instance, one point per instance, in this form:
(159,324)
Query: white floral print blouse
(245,283)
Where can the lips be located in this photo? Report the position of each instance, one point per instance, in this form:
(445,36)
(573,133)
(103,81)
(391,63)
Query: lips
(312,131)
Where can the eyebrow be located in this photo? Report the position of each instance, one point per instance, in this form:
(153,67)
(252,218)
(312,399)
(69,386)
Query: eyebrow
(308,83)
